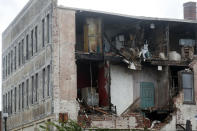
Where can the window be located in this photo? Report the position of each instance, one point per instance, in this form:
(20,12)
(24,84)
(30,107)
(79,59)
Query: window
(19,54)
(48,33)
(27,47)
(32,42)
(36,39)
(43,32)
(36,87)
(43,82)
(8,63)
(27,92)
(8,102)
(11,61)
(3,67)
(11,101)
(32,89)
(23,95)
(48,80)
(188,87)
(22,52)
(19,98)
(15,97)
(15,58)
(4,103)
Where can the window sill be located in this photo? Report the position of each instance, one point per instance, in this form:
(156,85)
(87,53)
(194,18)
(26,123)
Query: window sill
(189,103)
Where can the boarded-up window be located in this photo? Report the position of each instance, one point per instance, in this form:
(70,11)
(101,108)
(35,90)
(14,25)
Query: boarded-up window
(188,86)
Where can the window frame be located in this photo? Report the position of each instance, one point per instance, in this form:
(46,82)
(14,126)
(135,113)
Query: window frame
(193,89)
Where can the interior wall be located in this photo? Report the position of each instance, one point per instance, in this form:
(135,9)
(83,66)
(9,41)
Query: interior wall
(125,85)
(121,88)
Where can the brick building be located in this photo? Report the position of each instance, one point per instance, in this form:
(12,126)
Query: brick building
(102,69)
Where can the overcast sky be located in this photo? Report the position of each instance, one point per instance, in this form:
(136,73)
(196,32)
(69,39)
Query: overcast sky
(153,8)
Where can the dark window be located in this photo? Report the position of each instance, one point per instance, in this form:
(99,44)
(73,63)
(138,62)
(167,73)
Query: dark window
(19,98)
(3,67)
(36,87)
(32,89)
(19,54)
(22,52)
(27,91)
(27,47)
(43,32)
(6,103)
(32,42)
(23,95)
(188,87)
(6,65)
(48,80)
(48,33)
(36,39)
(11,101)
(11,61)
(15,97)
(9,64)
(43,82)
(15,57)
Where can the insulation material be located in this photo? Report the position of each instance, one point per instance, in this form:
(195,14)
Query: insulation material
(92,35)
(103,84)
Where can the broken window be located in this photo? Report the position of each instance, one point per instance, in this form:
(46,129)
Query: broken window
(43,33)
(188,86)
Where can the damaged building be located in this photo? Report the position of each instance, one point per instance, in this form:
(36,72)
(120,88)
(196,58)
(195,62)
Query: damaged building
(101,69)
